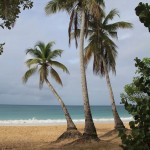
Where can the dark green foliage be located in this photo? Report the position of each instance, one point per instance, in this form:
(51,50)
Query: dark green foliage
(136,100)
(1,48)
(10,10)
(143,12)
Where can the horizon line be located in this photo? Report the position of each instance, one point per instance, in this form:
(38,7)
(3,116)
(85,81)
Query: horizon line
(55,105)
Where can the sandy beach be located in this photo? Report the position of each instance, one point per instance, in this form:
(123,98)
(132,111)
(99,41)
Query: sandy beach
(41,138)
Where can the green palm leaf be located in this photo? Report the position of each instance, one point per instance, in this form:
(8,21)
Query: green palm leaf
(55,76)
(49,45)
(53,6)
(31,62)
(59,5)
(34,52)
(54,54)
(42,48)
(41,45)
(28,74)
(110,16)
(119,25)
(59,65)
(88,53)
(43,71)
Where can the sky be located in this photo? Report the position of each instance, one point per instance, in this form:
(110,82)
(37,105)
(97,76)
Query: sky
(33,26)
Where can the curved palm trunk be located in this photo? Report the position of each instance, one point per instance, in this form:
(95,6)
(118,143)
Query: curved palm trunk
(70,124)
(118,122)
(89,129)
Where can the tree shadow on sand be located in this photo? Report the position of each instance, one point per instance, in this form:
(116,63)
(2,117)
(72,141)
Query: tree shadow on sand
(104,142)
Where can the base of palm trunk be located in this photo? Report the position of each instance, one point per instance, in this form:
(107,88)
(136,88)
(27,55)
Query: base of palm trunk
(90,137)
(119,125)
(85,139)
(69,134)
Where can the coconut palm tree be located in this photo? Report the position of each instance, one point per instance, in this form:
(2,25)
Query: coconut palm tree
(80,11)
(43,61)
(104,51)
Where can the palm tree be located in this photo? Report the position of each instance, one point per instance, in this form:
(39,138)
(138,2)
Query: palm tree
(42,61)
(80,11)
(104,51)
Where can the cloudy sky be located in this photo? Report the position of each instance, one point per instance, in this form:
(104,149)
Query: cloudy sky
(33,25)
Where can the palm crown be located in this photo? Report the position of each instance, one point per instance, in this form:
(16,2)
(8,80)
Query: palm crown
(42,61)
(74,7)
(101,45)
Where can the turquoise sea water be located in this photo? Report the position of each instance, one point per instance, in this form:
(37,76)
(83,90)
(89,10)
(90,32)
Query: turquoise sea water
(37,114)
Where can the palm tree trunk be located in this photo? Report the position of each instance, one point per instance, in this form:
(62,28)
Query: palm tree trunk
(118,122)
(70,124)
(89,130)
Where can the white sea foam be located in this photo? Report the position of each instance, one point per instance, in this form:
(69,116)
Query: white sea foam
(35,121)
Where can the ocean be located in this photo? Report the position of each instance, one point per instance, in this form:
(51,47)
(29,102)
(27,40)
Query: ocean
(45,114)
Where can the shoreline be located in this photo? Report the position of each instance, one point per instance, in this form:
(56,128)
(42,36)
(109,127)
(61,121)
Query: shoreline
(47,122)
(55,124)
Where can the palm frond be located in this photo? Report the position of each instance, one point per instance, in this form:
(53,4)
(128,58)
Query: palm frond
(72,35)
(53,6)
(34,52)
(59,65)
(107,41)
(49,45)
(40,45)
(113,34)
(95,8)
(48,48)
(110,57)
(98,68)
(75,28)
(74,25)
(43,71)
(111,16)
(28,74)
(59,5)
(55,76)
(34,61)
(119,25)
(88,52)
(54,54)
(70,25)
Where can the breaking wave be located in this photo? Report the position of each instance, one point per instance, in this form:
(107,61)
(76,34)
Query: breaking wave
(35,121)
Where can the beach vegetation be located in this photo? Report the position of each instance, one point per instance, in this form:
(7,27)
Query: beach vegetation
(143,12)
(136,100)
(1,48)
(9,12)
